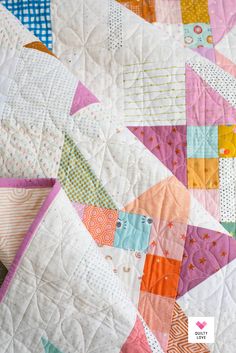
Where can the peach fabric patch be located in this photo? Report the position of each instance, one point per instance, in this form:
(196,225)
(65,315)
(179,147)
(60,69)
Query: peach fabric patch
(168,200)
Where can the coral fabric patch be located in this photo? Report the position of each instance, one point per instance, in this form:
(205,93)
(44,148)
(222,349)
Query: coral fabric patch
(101,223)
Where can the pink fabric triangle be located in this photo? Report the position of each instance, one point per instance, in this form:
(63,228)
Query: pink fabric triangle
(204,105)
(137,340)
(205,252)
(168,144)
(82,98)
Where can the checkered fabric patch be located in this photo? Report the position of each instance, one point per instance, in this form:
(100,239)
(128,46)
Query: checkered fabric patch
(35,15)
(79,181)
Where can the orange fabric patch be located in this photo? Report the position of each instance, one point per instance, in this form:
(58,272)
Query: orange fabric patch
(161,276)
(203,173)
(101,223)
(178,338)
(194,11)
(168,200)
(39,46)
(143,8)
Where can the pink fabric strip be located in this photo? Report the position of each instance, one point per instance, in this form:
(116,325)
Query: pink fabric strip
(30,183)
(26,183)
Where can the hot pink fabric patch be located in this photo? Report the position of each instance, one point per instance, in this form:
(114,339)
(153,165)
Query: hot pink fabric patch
(82,98)
(206,251)
(168,144)
(204,105)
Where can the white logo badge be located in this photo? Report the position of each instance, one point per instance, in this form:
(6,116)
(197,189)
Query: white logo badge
(201,329)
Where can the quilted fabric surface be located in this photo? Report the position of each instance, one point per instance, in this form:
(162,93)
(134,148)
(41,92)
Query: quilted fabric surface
(146,156)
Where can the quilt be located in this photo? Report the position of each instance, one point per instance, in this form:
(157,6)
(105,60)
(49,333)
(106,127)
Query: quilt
(59,294)
(127,165)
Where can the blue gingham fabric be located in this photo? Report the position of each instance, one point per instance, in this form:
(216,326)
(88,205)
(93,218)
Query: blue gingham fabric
(35,15)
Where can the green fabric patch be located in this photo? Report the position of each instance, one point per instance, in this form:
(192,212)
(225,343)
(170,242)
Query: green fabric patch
(3,273)
(49,347)
(230,227)
(79,181)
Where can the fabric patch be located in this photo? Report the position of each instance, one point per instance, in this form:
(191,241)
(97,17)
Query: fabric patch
(204,105)
(203,173)
(82,98)
(132,231)
(78,180)
(206,251)
(168,11)
(168,200)
(195,11)
(39,46)
(143,8)
(168,144)
(49,347)
(218,79)
(202,141)
(230,227)
(209,199)
(157,313)
(198,35)
(227,171)
(115,26)
(161,276)
(35,15)
(101,223)
(128,266)
(167,239)
(137,340)
(178,338)
(227,141)
(222,17)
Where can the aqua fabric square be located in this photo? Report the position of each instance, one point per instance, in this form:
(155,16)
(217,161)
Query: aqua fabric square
(197,35)
(35,15)
(132,231)
(202,141)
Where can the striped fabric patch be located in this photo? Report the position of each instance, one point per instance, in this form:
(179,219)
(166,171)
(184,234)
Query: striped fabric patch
(18,208)
(79,181)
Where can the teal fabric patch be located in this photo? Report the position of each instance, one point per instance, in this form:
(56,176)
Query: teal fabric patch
(230,227)
(132,232)
(49,347)
(197,35)
(202,141)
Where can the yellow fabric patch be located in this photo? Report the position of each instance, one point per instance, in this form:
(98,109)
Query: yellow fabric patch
(227,141)
(203,173)
(194,11)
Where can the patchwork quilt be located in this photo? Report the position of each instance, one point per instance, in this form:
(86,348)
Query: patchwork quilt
(136,120)
(59,294)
